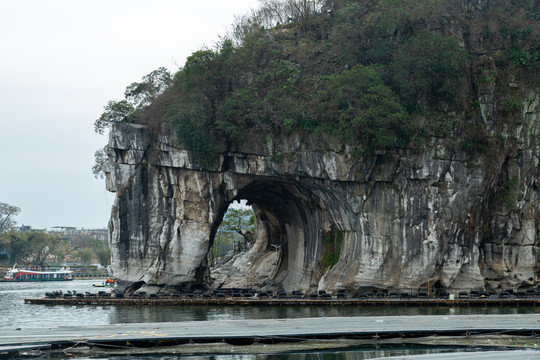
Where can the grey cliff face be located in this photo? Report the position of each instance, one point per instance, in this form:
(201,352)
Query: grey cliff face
(408,218)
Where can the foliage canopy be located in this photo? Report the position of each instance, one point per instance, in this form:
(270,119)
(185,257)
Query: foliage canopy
(241,222)
(362,71)
(33,246)
(7,214)
(237,223)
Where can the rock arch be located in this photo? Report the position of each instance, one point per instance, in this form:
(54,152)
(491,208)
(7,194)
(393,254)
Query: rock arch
(291,218)
(405,218)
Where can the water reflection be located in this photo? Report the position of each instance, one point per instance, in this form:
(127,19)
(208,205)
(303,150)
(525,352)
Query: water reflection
(16,314)
(338,354)
(135,314)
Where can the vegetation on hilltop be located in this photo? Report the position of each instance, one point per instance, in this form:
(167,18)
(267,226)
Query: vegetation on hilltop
(376,74)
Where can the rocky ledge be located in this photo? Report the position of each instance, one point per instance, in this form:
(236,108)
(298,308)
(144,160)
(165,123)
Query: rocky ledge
(326,217)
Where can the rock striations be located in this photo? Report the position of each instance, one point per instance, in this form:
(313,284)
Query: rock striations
(408,218)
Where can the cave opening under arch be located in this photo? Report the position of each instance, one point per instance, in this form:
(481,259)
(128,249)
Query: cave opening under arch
(291,220)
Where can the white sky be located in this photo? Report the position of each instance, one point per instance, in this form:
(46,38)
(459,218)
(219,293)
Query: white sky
(61,61)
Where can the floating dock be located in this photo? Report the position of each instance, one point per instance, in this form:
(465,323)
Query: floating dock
(169,301)
(270,331)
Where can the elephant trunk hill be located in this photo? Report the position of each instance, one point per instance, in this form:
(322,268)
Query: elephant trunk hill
(452,210)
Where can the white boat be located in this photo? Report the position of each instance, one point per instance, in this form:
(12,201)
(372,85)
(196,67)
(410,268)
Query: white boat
(17,275)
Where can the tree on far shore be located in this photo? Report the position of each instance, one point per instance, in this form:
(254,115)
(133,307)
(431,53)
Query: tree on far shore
(240,221)
(84,256)
(7,213)
(33,247)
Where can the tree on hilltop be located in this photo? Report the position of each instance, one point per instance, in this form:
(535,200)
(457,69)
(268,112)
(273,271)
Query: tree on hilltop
(138,96)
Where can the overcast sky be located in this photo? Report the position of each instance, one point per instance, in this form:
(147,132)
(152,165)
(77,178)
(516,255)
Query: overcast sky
(61,61)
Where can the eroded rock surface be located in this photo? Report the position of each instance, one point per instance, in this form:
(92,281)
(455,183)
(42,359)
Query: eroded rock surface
(405,218)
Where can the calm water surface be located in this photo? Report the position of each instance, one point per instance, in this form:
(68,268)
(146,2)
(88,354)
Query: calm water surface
(14,313)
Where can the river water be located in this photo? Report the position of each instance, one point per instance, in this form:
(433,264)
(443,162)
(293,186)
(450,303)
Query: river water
(14,314)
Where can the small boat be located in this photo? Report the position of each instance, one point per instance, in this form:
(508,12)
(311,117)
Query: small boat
(29,275)
(107,283)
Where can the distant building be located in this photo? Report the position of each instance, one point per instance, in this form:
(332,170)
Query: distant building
(24,228)
(70,233)
(76,237)
(79,237)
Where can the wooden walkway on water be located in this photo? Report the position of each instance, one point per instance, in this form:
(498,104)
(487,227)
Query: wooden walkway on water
(245,332)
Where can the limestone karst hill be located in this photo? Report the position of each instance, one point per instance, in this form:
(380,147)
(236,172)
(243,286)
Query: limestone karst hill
(381,144)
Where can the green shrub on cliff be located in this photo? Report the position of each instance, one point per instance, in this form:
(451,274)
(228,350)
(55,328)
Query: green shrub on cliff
(355,105)
(115,112)
(332,242)
(138,98)
(507,194)
(427,70)
(360,71)
(197,95)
